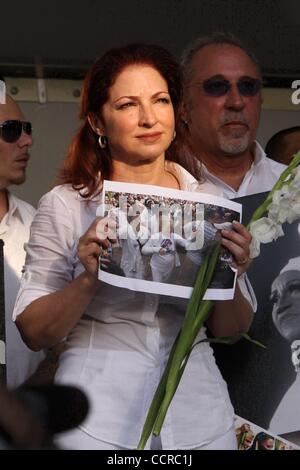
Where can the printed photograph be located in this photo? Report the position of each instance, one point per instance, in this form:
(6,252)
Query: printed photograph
(162,239)
(264,383)
(252,437)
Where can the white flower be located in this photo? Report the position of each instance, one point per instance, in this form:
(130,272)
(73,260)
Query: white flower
(285,205)
(254,248)
(293,213)
(265,230)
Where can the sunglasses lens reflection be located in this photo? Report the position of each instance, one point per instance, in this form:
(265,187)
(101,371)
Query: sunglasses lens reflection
(27,128)
(249,86)
(10,131)
(218,87)
(215,87)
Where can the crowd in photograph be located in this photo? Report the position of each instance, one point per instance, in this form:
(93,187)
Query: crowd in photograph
(157,234)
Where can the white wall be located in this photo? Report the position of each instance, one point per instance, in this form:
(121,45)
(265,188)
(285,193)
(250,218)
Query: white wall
(273,121)
(53,127)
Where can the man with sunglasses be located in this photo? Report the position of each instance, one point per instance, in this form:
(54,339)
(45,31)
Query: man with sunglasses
(15,220)
(220,116)
(221,112)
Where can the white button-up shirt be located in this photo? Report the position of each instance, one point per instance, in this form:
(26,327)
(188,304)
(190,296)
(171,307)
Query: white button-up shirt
(119,348)
(21,362)
(261,177)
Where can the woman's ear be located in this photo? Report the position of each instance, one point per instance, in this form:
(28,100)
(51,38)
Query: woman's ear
(95,123)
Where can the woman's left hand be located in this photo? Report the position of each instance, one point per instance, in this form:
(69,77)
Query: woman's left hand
(237,241)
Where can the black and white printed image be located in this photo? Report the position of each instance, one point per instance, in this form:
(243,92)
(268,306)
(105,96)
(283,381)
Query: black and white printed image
(264,384)
(285,296)
(163,239)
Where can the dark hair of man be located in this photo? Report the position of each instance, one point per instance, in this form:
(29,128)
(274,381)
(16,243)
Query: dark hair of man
(85,159)
(259,438)
(276,144)
(217,38)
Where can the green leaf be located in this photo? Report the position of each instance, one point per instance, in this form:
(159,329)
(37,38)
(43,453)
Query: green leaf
(248,338)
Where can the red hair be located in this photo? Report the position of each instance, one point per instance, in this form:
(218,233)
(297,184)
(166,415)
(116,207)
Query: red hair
(85,159)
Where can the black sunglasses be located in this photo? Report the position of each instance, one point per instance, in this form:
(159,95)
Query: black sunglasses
(220,86)
(10,131)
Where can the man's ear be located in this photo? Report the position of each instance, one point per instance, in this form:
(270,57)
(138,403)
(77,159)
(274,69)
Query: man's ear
(96,124)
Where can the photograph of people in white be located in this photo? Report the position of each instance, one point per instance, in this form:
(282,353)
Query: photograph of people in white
(163,240)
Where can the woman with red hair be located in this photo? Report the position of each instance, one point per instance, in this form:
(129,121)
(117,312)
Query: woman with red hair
(117,340)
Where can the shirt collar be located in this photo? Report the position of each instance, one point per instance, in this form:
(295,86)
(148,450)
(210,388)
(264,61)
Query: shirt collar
(13,209)
(259,154)
(259,157)
(13,212)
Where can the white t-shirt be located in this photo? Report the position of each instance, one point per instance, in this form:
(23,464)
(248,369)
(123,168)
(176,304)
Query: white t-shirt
(21,362)
(119,348)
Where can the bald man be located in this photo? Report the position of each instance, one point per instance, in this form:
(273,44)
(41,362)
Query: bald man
(15,220)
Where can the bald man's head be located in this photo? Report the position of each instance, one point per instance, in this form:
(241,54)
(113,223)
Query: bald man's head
(14,144)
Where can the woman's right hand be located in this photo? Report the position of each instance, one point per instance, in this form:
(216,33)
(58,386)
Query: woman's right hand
(94,242)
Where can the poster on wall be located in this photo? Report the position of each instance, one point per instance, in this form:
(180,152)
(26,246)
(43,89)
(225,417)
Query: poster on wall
(264,383)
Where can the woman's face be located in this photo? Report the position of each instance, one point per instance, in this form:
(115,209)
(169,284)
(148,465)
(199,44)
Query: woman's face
(248,440)
(285,294)
(138,118)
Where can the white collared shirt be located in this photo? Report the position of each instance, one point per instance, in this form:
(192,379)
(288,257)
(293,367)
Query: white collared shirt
(21,362)
(261,177)
(119,348)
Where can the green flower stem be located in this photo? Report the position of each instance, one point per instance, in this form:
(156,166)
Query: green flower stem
(155,406)
(188,333)
(194,320)
(178,365)
(156,401)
